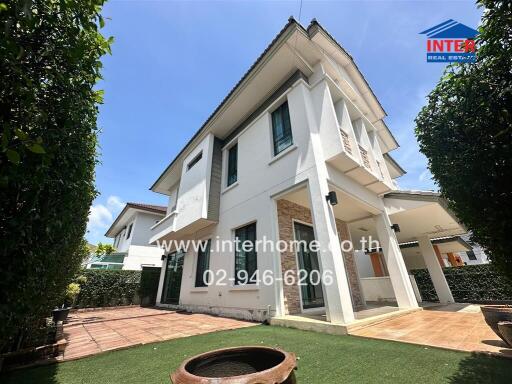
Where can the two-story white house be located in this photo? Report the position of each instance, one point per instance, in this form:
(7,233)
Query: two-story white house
(131,231)
(298,149)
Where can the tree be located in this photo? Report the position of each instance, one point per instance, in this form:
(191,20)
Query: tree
(465,131)
(104,249)
(50,62)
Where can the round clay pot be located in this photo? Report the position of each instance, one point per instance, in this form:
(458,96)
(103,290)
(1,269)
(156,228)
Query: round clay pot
(505,328)
(239,365)
(493,314)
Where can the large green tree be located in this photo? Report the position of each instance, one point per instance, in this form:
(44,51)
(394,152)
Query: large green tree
(50,54)
(465,131)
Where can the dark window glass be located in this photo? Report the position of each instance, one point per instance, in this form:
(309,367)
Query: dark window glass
(245,256)
(471,255)
(129,231)
(281,128)
(203,263)
(232,164)
(195,160)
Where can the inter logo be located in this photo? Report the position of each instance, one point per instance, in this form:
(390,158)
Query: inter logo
(450,42)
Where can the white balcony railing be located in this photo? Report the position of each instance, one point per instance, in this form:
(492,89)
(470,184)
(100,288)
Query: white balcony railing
(164,226)
(346,142)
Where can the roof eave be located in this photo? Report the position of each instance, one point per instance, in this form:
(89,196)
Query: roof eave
(291,26)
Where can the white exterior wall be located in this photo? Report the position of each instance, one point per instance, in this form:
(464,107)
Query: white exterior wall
(138,251)
(260,175)
(139,256)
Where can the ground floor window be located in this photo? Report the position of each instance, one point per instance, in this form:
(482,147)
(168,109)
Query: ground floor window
(245,255)
(203,263)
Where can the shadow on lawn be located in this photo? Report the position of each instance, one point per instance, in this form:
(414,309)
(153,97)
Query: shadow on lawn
(482,368)
(46,374)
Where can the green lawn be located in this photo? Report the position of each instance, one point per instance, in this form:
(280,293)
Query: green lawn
(322,359)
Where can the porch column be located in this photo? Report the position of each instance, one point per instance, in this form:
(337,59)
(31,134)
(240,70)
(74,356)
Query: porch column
(398,274)
(338,302)
(436,272)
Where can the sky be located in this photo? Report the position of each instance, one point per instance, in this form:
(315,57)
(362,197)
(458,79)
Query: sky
(173,62)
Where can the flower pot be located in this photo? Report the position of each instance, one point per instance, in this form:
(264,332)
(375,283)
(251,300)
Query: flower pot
(493,314)
(239,365)
(505,328)
(60,314)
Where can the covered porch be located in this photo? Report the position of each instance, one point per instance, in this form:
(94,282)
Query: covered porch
(344,304)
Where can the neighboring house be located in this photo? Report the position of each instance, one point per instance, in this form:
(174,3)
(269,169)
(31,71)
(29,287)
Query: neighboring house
(474,256)
(300,130)
(131,232)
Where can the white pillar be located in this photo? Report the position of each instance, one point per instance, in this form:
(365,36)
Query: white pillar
(338,302)
(436,272)
(398,274)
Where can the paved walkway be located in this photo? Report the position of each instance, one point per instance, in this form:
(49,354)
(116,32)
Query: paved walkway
(89,333)
(456,326)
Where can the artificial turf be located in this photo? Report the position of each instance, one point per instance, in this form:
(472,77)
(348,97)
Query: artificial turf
(321,358)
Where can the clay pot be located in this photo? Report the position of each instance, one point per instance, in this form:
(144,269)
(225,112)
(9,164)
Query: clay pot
(239,365)
(493,314)
(505,328)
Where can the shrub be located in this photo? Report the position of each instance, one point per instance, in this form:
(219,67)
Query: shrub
(465,131)
(50,62)
(108,288)
(149,279)
(469,284)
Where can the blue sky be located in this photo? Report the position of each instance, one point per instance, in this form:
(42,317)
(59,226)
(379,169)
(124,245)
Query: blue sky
(173,62)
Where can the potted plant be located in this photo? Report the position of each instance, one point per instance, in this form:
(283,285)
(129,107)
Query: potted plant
(61,314)
(493,314)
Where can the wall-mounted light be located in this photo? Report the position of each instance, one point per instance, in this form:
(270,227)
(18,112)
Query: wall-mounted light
(395,227)
(332,198)
(163,257)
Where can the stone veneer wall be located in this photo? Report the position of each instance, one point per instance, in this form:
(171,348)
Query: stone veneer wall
(286,213)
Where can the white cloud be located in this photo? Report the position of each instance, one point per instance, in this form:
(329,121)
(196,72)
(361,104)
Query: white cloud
(115,203)
(101,217)
(425,175)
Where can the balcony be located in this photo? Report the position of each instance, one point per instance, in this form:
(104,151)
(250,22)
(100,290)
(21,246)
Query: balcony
(163,228)
(354,151)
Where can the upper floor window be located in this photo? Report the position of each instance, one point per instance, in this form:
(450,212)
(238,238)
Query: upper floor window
(129,232)
(232,165)
(245,255)
(281,128)
(203,263)
(195,160)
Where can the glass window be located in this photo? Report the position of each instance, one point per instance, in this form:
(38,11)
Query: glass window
(471,255)
(245,255)
(232,164)
(128,234)
(281,128)
(203,263)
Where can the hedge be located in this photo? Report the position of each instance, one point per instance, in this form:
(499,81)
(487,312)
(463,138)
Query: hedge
(108,288)
(470,283)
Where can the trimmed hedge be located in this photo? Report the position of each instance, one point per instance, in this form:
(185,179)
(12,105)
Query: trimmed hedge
(470,283)
(108,288)
(149,279)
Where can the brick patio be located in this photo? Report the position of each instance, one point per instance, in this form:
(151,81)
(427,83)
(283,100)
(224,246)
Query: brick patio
(92,332)
(457,326)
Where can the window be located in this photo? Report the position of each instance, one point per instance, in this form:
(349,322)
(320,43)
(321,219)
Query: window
(245,255)
(203,263)
(471,255)
(232,165)
(129,232)
(281,128)
(194,161)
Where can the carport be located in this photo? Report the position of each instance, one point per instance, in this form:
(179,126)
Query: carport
(423,220)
